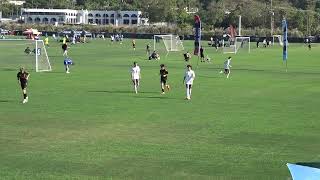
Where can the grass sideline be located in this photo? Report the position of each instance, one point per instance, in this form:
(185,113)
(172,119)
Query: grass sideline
(90,125)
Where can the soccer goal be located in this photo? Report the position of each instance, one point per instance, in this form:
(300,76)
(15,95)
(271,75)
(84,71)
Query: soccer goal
(243,44)
(277,39)
(240,44)
(31,54)
(168,43)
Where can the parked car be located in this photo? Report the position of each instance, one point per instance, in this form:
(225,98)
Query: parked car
(4,32)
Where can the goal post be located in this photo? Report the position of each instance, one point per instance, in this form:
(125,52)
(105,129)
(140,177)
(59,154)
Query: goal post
(239,44)
(31,54)
(171,43)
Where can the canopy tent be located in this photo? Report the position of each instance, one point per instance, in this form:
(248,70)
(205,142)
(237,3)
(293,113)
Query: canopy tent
(299,172)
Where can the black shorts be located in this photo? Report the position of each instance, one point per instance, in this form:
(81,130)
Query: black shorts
(202,55)
(23,85)
(135,81)
(164,81)
(226,71)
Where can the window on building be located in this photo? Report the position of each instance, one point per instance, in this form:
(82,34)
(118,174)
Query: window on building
(37,20)
(90,15)
(30,20)
(126,21)
(45,20)
(53,20)
(134,21)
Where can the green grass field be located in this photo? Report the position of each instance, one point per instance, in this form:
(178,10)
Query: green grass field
(90,125)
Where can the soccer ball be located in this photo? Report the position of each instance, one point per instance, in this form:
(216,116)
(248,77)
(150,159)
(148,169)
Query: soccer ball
(168,87)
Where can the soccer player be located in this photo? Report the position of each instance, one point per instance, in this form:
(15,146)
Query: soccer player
(163,78)
(23,77)
(67,63)
(227,66)
(64,40)
(134,44)
(135,76)
(46,41)
(65,49)
(188,80)
(309,45)
(27,51)
(202,54)
(148,49)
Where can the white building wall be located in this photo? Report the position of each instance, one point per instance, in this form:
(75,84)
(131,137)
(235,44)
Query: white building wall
(69,16)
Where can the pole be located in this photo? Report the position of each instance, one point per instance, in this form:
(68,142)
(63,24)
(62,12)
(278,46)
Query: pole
(199,47)
(239,25)
(272,19)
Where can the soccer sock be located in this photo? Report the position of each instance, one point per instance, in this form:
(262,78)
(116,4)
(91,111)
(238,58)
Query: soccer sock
(25,96)
(162,89)
(135,88)
(188,92)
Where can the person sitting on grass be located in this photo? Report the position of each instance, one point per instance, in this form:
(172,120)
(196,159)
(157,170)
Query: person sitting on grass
(187,56)
(27,51)
(154,56)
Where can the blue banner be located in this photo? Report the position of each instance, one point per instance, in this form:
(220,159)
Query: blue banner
(285,39)
(197,34)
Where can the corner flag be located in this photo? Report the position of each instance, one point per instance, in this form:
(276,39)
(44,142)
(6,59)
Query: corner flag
(197,34)
(285,39)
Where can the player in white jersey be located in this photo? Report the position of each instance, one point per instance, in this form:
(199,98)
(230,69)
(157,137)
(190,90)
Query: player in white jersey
(135,76)
(227,66)
(188,80)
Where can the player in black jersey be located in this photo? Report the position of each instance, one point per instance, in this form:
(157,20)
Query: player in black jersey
(163,78)
(23,77)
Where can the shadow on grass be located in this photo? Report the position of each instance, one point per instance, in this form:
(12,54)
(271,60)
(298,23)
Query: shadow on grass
(153,97)
(120,92)
(309,164)
(4,101)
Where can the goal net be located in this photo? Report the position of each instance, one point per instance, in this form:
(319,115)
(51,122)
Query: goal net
(30,54)
(277,39)
(239,44)
(243,44)
(167,43)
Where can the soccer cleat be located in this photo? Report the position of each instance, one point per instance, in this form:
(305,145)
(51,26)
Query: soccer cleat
(24,101)
(68,72)
(163,93)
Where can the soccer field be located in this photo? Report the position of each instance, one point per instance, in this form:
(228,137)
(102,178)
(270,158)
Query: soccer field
(90,125)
